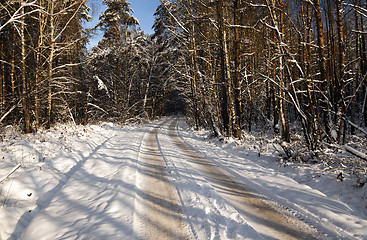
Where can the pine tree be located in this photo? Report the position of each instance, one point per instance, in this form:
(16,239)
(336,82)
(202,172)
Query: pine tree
(116,18)
(115,22)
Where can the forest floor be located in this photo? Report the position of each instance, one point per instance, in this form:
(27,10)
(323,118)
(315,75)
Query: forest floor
(164,181)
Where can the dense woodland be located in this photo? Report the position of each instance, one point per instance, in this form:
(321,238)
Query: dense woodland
(295,66)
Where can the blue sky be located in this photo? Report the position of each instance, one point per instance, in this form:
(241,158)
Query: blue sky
(143,11)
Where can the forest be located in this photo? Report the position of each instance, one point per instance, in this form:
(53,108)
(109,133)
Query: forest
(295,67)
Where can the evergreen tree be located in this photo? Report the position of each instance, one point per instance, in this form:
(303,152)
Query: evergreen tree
(116,18)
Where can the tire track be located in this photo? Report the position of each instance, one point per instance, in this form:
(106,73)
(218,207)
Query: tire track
(157,210)
(270,221)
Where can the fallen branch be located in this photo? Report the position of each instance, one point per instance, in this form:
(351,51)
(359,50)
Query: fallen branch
(11,172)
(349,149)
(356,152)
(357,127)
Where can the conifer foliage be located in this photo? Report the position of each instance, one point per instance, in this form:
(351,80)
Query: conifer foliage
(125,69)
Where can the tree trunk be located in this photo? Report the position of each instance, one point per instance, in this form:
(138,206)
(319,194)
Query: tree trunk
(38,65)
(2,76)
(282,104)
(193,80)
(117,81)
(364,68)
(357,75)
(225,71)
(331,62)
(27,122)
(50,63)
(322,66)
(12,72)
(215,90)
(147,86)
(237,82)
(312,108)
(340,85)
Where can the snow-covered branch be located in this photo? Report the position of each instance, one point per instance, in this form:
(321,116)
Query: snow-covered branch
(17,15)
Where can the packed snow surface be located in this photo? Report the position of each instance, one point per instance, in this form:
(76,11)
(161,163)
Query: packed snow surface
(87,182)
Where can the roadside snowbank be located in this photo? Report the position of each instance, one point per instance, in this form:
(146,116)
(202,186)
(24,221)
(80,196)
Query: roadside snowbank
(46,160)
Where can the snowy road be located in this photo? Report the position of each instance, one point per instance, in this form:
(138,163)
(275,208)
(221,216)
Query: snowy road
(157,211)
(268,220)
(97,197)
(151,182)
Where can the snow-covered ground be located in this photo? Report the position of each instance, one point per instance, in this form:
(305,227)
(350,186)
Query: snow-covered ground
(79,182)
(74,182)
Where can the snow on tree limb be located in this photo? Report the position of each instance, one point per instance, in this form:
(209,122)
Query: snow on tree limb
(93,105)
(17,15)
(10,110)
